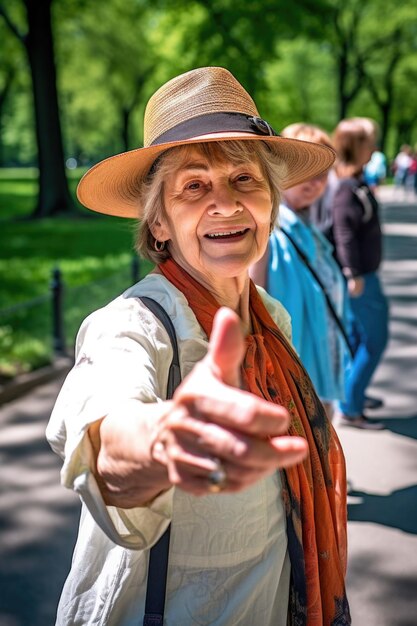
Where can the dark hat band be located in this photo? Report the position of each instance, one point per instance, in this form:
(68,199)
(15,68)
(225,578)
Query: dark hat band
(215,123)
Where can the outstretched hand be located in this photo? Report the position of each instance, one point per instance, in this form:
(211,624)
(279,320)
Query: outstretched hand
(212,419)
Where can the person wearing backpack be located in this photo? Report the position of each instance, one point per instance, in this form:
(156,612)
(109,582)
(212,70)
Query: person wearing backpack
(358,247)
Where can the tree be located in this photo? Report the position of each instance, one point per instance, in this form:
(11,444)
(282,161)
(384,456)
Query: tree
(300,85)
(241,35)
(8,72)
(396,42)
(124,82)
(403,117)
(53,197)
(367,50)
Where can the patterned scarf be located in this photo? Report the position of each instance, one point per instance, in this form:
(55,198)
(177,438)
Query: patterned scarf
(314,491)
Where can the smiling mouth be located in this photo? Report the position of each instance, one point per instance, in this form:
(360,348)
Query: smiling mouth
(231,234)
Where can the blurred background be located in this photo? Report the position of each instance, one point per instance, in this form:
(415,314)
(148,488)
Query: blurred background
(75,76)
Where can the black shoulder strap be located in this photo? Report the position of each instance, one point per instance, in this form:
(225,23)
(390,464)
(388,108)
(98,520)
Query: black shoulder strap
(318,280)
(158,556)
(174,376)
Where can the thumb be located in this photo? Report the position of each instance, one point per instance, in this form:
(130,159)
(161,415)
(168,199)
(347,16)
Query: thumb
(226,347)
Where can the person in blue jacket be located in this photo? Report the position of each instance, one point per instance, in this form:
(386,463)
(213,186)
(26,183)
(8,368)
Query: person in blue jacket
(297,268)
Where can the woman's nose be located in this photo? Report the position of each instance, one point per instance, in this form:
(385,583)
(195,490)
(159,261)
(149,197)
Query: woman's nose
(224,201)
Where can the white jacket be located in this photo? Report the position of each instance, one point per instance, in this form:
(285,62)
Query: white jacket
(228,559)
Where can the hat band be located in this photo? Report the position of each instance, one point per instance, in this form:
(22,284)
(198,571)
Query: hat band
(215,123)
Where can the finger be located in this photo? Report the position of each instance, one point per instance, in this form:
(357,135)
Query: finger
(226,347)
(190,458)
(290,450)
(195,479)
(180,447)
(191,483)
(234,409)
(197,443)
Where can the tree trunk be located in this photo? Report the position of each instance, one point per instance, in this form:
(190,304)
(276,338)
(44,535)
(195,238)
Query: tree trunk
(385,121)
(342,74)
(3,98)
(125,113)
(54,197)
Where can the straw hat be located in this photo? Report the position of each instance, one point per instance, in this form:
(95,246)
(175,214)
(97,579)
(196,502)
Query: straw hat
(205,104)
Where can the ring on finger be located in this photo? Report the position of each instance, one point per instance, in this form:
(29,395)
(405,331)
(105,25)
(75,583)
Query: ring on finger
(217,478)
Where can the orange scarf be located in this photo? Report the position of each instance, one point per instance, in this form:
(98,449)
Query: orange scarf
(314,491)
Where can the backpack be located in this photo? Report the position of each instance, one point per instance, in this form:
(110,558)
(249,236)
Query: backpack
(321,212)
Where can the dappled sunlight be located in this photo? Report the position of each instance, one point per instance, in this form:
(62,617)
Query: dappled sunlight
(38,517)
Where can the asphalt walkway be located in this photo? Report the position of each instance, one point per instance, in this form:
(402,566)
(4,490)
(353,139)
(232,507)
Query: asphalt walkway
(38,518)
(382,466)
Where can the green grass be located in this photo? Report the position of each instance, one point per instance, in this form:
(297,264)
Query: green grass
(18,189)
(94,255)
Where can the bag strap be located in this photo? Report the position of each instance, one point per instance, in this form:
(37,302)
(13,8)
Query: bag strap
(174,376)
(329,302)
(158,555)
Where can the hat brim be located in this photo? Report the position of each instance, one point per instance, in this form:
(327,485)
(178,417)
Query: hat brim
(111,186)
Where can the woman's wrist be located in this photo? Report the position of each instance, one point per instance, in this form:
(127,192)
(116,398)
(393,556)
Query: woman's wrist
(126,472)
(355,285)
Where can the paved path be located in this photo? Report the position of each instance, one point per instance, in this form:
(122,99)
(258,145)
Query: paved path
(38,518)
(382,466)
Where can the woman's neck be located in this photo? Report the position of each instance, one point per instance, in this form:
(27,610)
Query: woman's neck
(232,292)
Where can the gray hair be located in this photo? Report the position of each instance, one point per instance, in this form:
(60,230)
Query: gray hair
(152,189)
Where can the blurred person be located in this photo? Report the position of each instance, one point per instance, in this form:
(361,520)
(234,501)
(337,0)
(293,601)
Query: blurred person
(375,171)
(411,182)
(299,270)
(401,165)
(358,246)
(321,214)
(258,527)
(321,211)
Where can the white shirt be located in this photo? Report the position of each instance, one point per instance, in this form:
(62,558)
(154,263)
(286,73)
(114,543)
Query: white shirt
(228,562)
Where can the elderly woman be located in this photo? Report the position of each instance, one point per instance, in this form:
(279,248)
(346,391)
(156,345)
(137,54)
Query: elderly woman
(241,464)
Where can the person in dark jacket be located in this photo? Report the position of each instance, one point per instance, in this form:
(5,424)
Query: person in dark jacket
(358,245)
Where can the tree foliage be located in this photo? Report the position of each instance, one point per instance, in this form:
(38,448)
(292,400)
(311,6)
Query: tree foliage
(312,60)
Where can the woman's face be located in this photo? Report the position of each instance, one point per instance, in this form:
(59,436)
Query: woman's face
(217,216)
(303,195)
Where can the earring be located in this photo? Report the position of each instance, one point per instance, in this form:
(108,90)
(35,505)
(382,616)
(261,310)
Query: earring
(159,245)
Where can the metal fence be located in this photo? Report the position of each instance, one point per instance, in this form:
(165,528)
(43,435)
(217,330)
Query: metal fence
(34,331)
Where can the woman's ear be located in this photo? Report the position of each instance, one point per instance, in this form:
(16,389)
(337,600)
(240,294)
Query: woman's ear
(160,230)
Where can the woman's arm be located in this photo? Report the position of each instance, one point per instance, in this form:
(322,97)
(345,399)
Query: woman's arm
(139,455)
(347,220)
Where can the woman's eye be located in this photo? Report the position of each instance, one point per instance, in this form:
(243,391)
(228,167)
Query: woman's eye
(243,178)
(194,185)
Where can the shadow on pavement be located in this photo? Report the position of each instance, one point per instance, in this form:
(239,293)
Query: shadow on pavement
(406,426)
(402,213)
(399,248)
(396,510)
(392,592)
(38,518)
(32,580)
